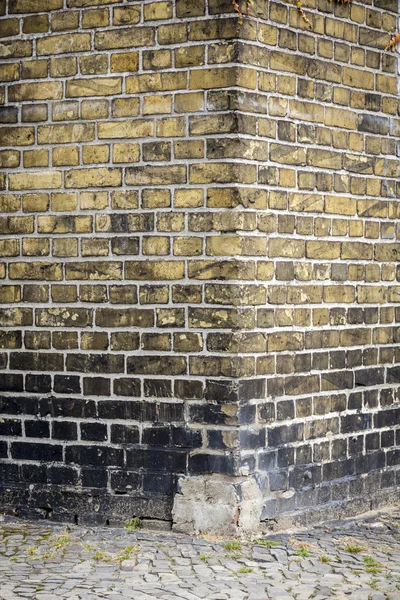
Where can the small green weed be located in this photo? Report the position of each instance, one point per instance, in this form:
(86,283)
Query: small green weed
(133,525)
(205,556)
(373,583)
(302,552)
(235,545)
(324,558)
(245,570)
(267,543)
(353,549)
(372,566)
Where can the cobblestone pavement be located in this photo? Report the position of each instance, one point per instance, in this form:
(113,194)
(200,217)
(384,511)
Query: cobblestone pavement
(357,559)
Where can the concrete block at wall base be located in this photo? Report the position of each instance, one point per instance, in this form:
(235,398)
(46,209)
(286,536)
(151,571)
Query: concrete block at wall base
(218,505)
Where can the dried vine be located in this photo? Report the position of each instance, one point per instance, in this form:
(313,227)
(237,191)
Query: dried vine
(391,45)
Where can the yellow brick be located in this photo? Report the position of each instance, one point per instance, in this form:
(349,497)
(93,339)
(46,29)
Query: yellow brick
(95,18)
(170,222)
(65,111)
(104,86)
(95,154)
(35,91)
(94,109)
(190,102)
(94,200)
(36,158)
(9,72)
(322,250)
(172,127)
(288,248)
(40,271)
(27,6)
(63,67)
(66,134)
(338,294)
(64,224)
(222,173)
(65,156)
(65,202)
(189,198)
(187,246)
(340,205)
(35,203)
(156,198)
(156,82)
(9,159)
(121,199)
(126,153)
(35,181)
(126,129)
(229,245)
(123,38)
(128,15)
(93,270)
(124,62)
(157,11)
(156,245)
(151,175)
(65,247)
(99,177)
(189,149)
(155,270)
(63,44)
(35,247)
(17,136)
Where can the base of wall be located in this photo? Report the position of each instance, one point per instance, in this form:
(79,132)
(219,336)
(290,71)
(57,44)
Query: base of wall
(218,505)
(90,507)
(333,511)
(212,504)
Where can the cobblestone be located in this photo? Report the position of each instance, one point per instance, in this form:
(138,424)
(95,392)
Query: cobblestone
(357,559)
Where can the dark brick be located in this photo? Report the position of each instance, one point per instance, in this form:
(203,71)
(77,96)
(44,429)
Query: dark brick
(95,432)
(10,427)
(183,437)
(285,434)
(12,405)
(39,384)
(358,422)
(95,363)
(11,382)
(124,434)
(96,386)
(94,478)
(64,430)
(188,390)
(96,456)
(125,481)
(67,384)
(156,436)
(158,388)
(127,410)
(158,460)
(127,387)
(211,463)
(36,361)
(36,451)
(39,429)
(369,377)
(67,407)
(156,483)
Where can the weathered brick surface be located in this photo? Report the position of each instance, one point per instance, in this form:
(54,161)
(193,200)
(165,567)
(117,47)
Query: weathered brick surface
(200,231)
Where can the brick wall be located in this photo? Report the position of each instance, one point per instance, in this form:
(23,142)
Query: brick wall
(199,254)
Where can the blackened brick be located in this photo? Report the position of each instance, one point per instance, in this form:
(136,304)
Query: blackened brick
(39,384)
(36,451)
(67,384)
(127,387)
(211,463)
(96,386)
(358,422)
(156,436)
(124,434)
(10,427)
(158,388)
(39,429)
(11,383)
(94,478)
(95,432)
(94,456)
(67,407)
(64,430)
